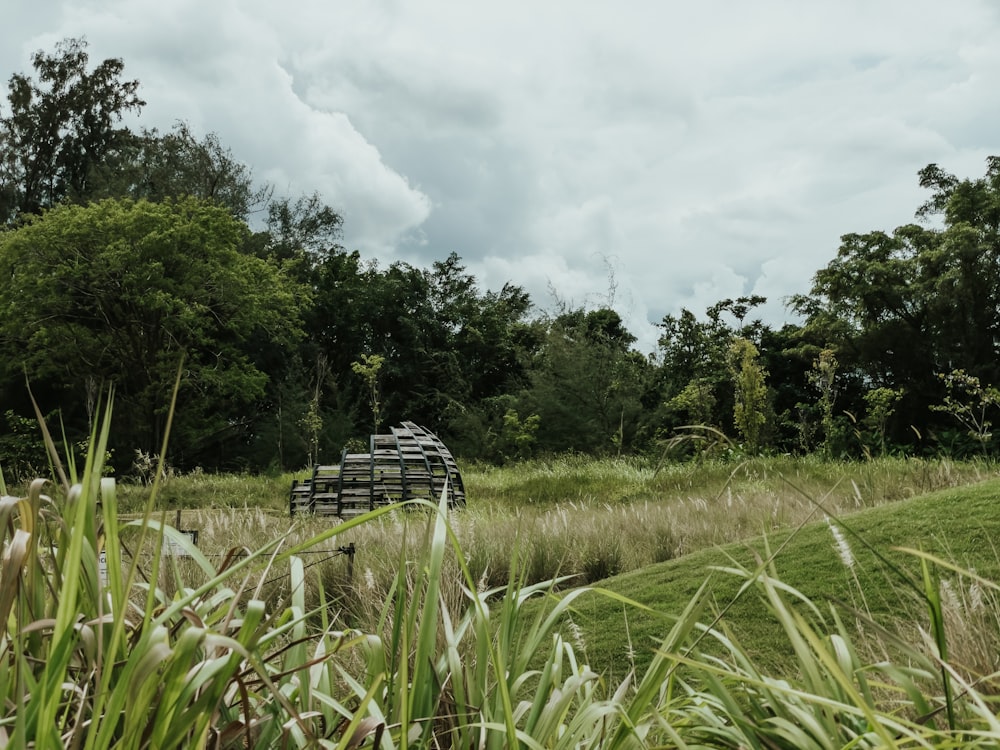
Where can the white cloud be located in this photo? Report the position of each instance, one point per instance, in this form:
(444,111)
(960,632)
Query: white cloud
(701,151)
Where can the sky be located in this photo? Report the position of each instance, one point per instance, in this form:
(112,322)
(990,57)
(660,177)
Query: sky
(649,155)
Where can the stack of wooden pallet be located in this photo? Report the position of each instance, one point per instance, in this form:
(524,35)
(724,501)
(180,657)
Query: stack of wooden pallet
(410,462)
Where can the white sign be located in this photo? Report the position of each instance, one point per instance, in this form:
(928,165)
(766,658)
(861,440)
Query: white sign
(176,549)
(102,567)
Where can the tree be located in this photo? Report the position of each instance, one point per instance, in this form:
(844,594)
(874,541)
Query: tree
(61,127)
(749,379)
(881,403)
(448,348)
(121,291)
(587,384)
(367,368)
(901,307)
(303,227)
(157,167)
(694,361)
(971,404)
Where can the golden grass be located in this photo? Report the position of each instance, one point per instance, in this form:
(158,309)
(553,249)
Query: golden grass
(584,518)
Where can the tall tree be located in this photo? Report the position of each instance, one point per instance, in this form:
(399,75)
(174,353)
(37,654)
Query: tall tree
(59,127)
(587,384)
(694,362)
(157,166)
(750,382)
(118,291)
(901,308)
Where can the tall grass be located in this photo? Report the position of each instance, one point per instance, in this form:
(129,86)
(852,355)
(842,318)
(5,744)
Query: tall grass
(95,659)
(574,516)
(217,659)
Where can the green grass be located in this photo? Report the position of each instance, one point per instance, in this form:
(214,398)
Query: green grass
(204,491)
(662,530)
(595,519)
(573,515)
(211,653)
(961,525)
(610,481)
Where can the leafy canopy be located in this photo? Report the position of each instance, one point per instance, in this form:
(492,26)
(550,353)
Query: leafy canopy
(60,127)
(120,290)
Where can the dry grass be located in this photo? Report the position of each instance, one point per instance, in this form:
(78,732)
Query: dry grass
(576,517)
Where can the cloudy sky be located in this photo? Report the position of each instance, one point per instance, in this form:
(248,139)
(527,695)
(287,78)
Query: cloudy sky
(665,154)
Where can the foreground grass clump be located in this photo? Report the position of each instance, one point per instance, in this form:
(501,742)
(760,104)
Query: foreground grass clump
(93,653)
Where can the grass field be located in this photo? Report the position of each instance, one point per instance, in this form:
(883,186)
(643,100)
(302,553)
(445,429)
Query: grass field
(761,604)
(572,516)
(856,566)
(651,535)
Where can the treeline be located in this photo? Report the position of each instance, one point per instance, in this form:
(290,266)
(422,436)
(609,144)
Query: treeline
(127,257)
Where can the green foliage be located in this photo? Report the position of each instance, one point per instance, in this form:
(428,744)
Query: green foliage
(824,379)
(158,167)
(448,349)
(587,384)
(695,404)
(147,272)
(60,127)
(693,356)
(311,422)
(749,379)
(368,368)
(901,307)
(125,289)
(881,404)
(970,404)
(22,448)
(695,359)
(518,437)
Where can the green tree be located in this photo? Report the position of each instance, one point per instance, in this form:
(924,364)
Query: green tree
(824,379)
(694,362)
(60,127)
(971,404)
(158,166)
(368,368)
(518,436)
(750,383)
(302,228)
(924,299)
(449,348)
(587,384)
(119,291)
(881,404)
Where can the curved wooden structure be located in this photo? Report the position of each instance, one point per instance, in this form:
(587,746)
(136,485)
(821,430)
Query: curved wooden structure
(410,462)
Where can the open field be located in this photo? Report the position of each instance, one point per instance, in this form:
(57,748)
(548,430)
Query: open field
(818,633)
(656,534)
(853,563)
(571,516)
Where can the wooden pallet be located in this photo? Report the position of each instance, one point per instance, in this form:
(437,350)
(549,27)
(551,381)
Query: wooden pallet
(408,463)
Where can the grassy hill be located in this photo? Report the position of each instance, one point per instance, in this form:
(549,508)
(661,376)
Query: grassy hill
(865,576)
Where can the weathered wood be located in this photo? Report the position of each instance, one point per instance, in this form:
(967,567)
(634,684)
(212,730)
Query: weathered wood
(409,463)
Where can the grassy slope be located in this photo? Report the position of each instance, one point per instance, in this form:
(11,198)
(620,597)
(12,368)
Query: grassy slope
(961,525)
